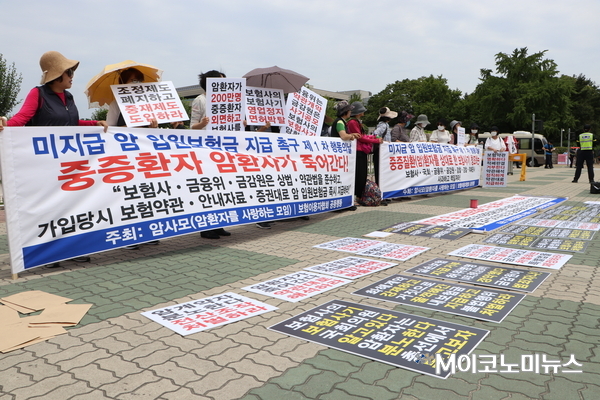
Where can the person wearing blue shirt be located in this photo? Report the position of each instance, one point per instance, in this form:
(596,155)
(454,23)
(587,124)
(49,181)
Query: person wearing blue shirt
(549,148)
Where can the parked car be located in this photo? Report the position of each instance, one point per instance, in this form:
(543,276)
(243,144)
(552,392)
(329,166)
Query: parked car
(535,154)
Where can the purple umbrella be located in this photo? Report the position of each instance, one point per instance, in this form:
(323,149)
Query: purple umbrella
(276,78)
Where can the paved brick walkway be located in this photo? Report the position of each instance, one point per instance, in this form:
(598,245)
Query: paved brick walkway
(115,353)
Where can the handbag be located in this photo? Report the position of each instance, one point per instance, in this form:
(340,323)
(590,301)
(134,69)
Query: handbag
(372,194)
(595,187)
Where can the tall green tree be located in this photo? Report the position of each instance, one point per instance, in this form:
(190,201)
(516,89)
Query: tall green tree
(10,85)
(585,100)
(427,95)
(524,84)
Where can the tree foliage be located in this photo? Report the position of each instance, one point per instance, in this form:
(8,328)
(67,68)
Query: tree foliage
(585,98)
(427,95)
(521,84)
(100,114)
(10,85)
(524,85)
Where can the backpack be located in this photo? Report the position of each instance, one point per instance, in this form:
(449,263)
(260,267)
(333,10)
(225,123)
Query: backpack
(595,188)
(372,195)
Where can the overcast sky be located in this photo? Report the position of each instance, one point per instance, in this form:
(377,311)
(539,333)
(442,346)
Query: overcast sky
(339,45)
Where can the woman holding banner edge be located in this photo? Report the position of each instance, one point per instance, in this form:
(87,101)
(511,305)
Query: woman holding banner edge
(51,104)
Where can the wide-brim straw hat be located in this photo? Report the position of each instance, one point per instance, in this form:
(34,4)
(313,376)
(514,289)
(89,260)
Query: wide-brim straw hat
(387,113)
(54,64)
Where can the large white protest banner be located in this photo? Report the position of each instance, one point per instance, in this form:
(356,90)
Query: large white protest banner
(71,191)
(408,169)
(140,103)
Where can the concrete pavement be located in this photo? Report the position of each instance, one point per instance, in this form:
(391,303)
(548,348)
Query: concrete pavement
(115,353)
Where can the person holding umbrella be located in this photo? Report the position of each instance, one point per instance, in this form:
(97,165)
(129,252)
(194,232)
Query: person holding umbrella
(114,116)
(100,93)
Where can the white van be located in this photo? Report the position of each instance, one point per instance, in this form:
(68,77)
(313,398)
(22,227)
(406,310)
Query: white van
(535,156)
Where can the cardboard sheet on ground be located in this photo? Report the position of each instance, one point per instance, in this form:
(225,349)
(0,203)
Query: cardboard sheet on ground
(60,314)
(37,328)
(44,333)
(403,340)
(482,274)
(479,303)
(8,315)
(351,267)
(15,335)
(507,255)
(202,314)
(430,231)
(34,299)
(349,244)
(296,286)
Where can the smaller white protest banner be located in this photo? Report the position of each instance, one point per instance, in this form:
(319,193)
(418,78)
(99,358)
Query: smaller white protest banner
(461,137)
(512,256)
(225,103)
(296,286)
(305,112)
(140,103)
(202,314)
(265,105)
(351,267)
(394,251)
(349,244)
(495,168)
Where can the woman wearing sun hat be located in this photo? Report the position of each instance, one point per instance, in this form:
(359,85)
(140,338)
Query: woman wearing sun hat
(51,104)
(383,131)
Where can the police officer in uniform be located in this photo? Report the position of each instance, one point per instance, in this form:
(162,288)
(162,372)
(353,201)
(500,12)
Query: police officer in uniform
(585,153)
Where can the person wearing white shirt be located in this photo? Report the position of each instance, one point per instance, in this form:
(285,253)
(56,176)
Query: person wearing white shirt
(440,135)
(494,142)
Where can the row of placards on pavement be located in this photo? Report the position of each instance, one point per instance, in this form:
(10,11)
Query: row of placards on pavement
(388,336)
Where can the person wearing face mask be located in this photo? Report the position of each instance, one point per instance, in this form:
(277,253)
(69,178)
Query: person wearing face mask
(472,140)
(400,130)
(494,143)
(417,134)
(440,135)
